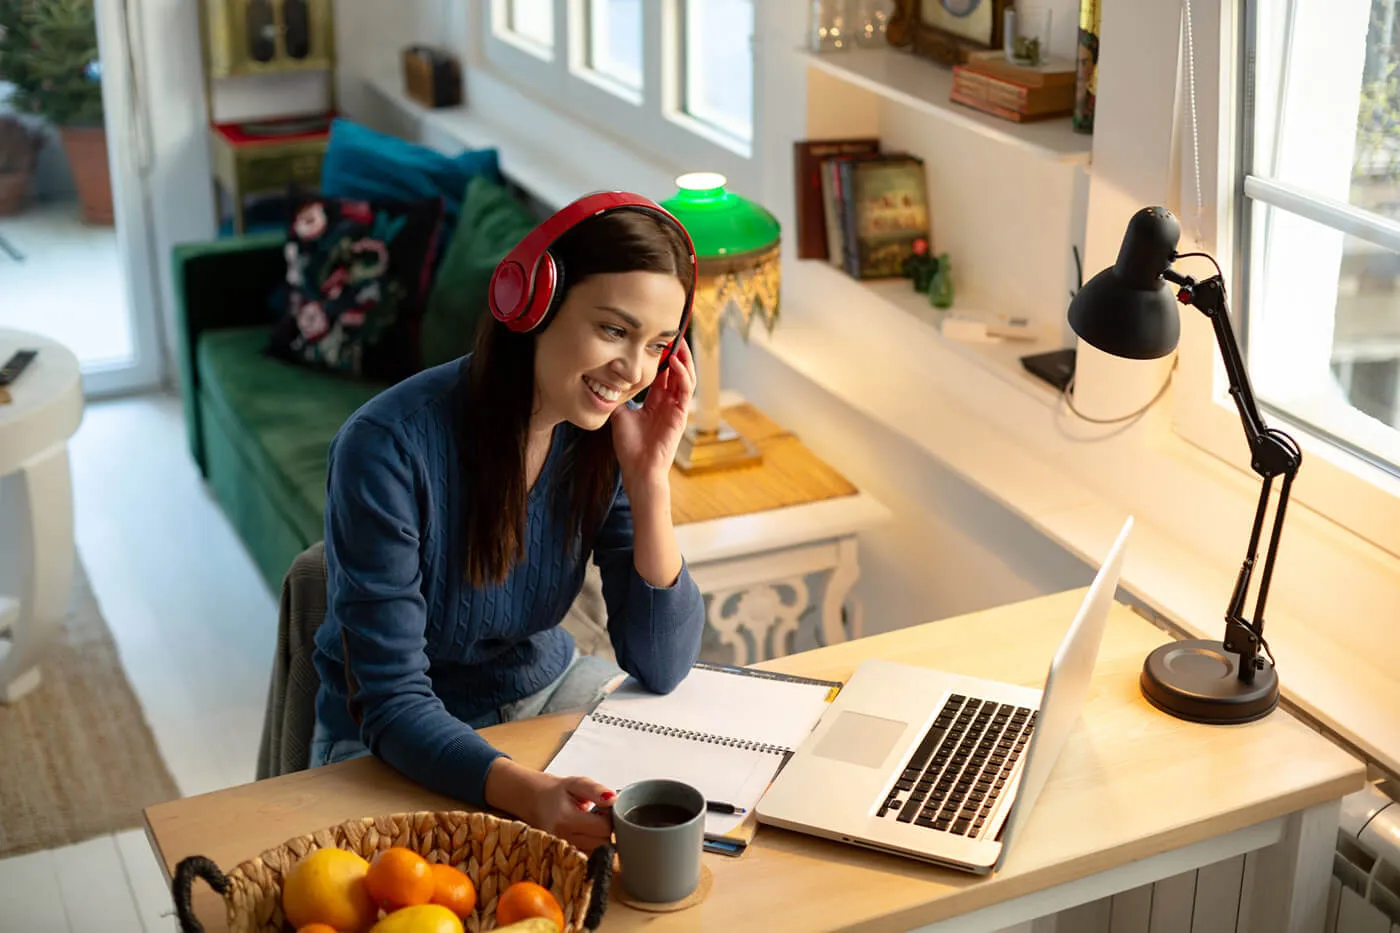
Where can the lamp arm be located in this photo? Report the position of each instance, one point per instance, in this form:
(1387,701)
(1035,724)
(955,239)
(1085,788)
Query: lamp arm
(1272,454)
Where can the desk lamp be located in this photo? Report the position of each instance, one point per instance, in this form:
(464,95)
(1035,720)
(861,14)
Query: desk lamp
(1129,310)
(737,249)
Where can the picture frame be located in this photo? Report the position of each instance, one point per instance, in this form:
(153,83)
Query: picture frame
(947,30)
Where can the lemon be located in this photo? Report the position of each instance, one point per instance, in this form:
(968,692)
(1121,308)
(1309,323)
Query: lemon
(422,918)
(328,886)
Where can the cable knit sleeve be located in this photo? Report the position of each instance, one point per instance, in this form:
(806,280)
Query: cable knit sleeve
(654,630)
(373,528)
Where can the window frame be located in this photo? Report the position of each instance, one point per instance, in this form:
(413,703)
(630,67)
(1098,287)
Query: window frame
(1335,482)
(653,120)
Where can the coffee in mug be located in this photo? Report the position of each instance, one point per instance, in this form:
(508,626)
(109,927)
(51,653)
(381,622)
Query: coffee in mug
(660,830)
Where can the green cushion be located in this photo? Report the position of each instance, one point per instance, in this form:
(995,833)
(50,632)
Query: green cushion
(281,416)
(492,222)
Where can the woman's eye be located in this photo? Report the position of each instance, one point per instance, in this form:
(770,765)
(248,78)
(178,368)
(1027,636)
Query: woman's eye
(660,347)
(613,331)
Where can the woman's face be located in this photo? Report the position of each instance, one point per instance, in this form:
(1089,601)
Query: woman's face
(604,345)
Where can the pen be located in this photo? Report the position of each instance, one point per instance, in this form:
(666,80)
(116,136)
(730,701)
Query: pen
(714,806)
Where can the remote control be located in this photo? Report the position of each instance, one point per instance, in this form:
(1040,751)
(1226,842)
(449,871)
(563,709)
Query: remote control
(15,365)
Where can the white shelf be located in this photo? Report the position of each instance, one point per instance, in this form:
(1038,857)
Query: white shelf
(925,86)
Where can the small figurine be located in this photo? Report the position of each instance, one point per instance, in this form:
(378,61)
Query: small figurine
(940,289)
(920,266)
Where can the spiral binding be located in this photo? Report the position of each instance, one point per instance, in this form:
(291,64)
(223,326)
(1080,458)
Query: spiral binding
(690,735)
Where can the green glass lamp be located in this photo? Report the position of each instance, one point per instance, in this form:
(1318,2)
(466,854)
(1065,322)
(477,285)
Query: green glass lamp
(737,247)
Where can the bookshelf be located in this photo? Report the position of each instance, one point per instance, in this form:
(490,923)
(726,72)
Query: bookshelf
(924,86)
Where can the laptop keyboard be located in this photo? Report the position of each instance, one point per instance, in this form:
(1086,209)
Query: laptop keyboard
(959,770)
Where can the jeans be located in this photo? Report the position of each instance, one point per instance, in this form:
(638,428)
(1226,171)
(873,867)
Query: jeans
(584,682)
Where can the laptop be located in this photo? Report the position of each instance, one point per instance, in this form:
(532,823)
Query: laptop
(936,766)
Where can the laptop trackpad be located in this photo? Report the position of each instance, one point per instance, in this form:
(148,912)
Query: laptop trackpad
(860,739)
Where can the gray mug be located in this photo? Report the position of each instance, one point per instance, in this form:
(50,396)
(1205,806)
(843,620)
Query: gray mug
(660,830)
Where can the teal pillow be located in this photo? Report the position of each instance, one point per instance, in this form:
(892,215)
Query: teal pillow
(491,223)
(366,165)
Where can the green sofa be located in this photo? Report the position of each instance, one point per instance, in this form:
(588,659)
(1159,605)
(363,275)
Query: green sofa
(259,428)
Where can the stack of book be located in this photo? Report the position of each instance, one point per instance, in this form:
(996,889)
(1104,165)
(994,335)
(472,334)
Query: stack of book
(859,208)
(988,82)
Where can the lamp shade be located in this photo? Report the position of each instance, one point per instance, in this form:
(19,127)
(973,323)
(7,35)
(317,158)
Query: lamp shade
(722,225)
(1128,309)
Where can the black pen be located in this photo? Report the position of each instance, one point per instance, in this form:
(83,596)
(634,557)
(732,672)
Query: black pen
(714,806)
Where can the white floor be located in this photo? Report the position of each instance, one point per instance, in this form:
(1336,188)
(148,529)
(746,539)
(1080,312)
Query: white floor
(195,626)
(92,319)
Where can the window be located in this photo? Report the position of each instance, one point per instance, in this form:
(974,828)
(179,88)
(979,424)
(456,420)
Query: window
(614,46)
(531,22)
(718,50)
(1320,223)
(672,79)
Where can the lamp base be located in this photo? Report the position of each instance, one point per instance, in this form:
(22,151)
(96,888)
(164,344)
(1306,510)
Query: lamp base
(1198,680)
(723,449)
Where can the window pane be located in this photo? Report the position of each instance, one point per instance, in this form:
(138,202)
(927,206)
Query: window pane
(719,64)
(1324,330)
(615,40)
(532,20)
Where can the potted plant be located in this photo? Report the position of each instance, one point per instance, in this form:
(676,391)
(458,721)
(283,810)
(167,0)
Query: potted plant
(48,51)
(19,152)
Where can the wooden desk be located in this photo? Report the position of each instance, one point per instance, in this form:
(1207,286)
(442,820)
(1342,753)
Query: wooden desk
(1136,796)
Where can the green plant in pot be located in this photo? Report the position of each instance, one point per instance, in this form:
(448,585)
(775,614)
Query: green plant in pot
(48,52)
(19,153)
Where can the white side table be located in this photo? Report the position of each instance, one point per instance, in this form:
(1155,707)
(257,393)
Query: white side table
(752,538)
(36,506)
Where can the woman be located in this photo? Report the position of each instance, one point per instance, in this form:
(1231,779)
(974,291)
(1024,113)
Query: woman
(463,503)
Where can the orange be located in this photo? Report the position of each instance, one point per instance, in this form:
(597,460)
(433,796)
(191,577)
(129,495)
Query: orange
(421,918)
(317,928)
(328,886)
(399,877)
(524,900)
(454,890)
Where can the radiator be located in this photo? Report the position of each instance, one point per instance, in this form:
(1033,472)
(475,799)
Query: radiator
(1364,897)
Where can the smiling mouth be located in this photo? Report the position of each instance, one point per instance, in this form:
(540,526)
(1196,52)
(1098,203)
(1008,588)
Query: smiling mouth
(606,393)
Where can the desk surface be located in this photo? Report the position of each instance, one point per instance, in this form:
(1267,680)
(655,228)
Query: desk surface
(1131,783)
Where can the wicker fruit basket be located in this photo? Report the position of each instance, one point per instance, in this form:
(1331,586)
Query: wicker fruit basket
(494,853)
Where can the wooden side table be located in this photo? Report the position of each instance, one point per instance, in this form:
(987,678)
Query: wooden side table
(245,165)
(753,535)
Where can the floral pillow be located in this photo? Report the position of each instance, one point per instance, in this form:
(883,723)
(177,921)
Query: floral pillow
(358,274)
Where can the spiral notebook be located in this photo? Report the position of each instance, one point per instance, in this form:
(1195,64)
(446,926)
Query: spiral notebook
(726,731)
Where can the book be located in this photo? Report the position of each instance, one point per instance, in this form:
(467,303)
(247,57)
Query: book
(1053,72)
(808,155)
(1027,100)
(886,211)
(726,731)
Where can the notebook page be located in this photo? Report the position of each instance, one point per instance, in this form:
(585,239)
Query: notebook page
(737,706)
(616,756)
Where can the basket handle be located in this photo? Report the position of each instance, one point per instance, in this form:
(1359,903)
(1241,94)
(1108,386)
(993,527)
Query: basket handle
(183,886)
(600,870)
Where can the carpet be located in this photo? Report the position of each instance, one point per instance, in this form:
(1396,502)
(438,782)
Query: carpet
(77,759)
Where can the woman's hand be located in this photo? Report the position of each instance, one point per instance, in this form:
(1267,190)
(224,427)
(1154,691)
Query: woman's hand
(646,439)
(564,807)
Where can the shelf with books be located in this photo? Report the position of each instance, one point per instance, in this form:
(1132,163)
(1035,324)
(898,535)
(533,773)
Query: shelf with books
(925,86)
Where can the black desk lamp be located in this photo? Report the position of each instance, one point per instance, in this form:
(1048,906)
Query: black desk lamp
(1128,310)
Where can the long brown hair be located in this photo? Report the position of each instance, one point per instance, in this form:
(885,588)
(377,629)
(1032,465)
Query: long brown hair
(501,393)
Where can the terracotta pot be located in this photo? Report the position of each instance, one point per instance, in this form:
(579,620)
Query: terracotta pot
(14,192)
(86,147)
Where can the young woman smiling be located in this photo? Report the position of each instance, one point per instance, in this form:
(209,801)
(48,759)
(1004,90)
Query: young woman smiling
(463,504)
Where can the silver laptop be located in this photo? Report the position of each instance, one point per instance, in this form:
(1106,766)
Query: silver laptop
(936,766)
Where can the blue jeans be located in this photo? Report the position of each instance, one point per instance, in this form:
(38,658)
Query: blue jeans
(584,682)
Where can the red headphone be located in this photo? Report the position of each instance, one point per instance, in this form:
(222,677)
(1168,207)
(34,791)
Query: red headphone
(523,285)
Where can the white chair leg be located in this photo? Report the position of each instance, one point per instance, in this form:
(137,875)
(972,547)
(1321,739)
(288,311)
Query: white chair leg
(36,529)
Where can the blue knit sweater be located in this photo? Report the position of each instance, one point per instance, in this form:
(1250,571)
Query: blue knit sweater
(427,652)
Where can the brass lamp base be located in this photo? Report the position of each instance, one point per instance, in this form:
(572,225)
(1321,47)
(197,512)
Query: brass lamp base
(724,449)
